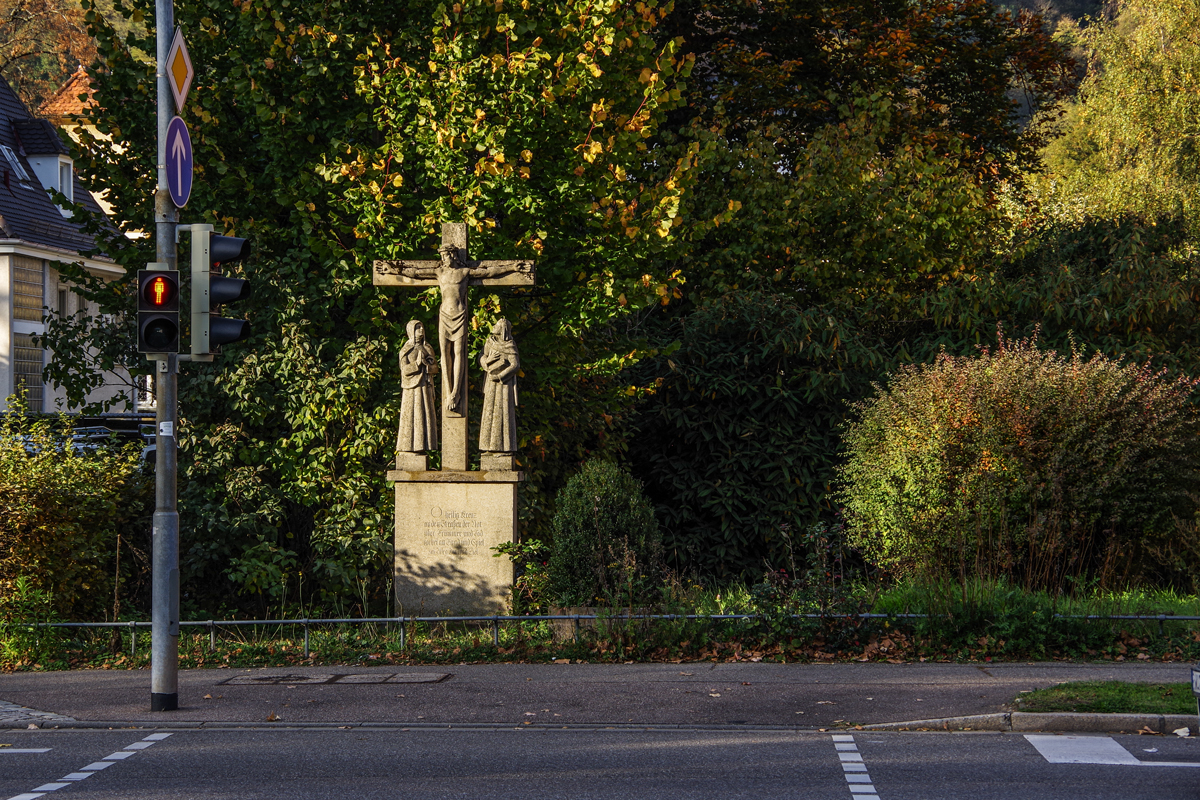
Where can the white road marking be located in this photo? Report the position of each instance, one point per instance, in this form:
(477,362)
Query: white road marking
(1081,750)
(857,779)
(90,769)
(25,750)
(1092,750)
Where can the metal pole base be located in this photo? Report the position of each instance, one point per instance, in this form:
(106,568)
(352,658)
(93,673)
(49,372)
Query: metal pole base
(163,702)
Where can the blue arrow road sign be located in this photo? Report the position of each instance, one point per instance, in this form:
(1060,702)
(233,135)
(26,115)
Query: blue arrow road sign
(179,162)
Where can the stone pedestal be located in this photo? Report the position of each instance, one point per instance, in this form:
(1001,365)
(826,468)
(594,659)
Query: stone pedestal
(447,523)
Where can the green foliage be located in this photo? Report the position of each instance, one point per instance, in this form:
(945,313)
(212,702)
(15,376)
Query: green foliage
(22,643)
(871,210)
(1121,285)
(820,597)
(606,547)
(1022,464)
(988,618)
(1131,143)
(737,438)
(61,512)
(530,560)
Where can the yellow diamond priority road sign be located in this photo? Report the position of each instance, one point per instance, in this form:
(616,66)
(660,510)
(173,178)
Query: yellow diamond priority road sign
(179,70)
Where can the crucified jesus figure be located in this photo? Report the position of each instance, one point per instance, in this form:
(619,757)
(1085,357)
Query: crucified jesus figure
(453,276)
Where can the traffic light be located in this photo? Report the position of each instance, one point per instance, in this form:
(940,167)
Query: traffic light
(210,253)
(158,311)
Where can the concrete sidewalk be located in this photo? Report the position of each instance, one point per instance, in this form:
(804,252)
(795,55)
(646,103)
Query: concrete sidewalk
(697,694)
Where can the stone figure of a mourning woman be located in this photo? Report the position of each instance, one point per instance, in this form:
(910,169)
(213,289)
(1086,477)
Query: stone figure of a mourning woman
(418,403)
(498,422)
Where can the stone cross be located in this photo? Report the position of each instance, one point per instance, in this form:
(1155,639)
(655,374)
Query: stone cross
(453,274)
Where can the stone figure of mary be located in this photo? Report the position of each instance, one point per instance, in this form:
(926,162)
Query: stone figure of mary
(498,422)
(418,405)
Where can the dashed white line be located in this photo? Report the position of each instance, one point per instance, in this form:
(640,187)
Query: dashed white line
(90,769)
(857,779)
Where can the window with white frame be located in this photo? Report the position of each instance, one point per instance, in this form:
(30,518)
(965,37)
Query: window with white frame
(66,179)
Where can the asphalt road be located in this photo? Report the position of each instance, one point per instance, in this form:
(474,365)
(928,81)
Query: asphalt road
(580,764)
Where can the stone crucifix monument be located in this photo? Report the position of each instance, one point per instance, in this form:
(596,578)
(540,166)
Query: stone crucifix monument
(448,520)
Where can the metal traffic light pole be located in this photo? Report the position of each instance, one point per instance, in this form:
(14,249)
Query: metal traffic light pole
(164,626)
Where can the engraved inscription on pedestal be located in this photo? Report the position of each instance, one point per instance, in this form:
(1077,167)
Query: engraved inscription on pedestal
(452,532)
(445,533)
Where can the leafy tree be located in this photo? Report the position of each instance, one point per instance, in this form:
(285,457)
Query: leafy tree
(41,43)
(855,219)
(1123,287)
(1131,146)
(335,133)
(952,67)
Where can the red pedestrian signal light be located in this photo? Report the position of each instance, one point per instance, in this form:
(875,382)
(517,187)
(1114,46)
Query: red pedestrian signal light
(161,292)
(158,311)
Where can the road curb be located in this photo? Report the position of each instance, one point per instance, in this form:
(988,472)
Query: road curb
(1059,722)
(417,726)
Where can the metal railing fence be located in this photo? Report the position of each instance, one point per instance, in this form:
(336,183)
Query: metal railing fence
(404,621)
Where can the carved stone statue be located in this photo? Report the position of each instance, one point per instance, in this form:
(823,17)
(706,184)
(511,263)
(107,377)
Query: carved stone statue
(498,422)
(418,404)
(453,275)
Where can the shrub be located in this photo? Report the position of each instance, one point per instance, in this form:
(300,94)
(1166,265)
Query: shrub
(62,510)
(22,643)
(606,546)
(1024,464)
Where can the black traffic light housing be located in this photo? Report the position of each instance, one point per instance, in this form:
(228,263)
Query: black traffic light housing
(210,291)
(158,310)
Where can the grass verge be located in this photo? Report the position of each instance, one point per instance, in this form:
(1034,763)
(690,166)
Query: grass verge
(1111,697)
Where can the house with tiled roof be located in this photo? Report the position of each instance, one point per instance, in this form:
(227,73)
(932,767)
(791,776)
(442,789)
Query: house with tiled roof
(65,108)
(35,236)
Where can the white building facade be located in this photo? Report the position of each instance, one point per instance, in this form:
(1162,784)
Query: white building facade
(35,235)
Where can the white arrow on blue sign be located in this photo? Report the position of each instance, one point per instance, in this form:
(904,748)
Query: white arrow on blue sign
(179,162)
